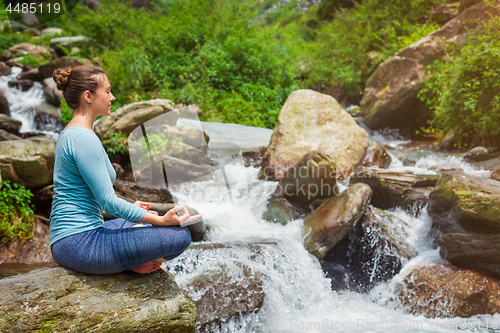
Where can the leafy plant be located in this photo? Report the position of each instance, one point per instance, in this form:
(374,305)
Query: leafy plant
(16,212)
(67,113)
(464,90)
(117,143)
(30,60)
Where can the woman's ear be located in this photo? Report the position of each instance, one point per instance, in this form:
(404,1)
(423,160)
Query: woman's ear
(87,96)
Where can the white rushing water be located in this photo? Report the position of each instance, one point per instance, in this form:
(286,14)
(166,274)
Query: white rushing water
(298,296)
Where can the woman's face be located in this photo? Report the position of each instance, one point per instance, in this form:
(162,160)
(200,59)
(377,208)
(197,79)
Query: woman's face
(101,103)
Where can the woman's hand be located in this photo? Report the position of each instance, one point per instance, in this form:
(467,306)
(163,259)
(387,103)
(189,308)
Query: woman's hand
(169,219)
(146,206)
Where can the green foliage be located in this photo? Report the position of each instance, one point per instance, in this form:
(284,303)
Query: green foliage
(8,40)
(156,146)
(30,60)
(117,143)
(464,91)
(67,113)
(16,212)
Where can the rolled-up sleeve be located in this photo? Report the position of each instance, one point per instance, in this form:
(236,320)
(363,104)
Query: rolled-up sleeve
(91,161)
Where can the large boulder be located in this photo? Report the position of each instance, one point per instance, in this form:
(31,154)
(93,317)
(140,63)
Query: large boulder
(474,251)
(334,219)
(103,125)
(35,250)
(461,203)
(310,121)
(396,189)
(373,252)
(48,68)
(29,162)
(390,96)
(8,124)
(6,136)
(438,291)
(58,299)
(38,51)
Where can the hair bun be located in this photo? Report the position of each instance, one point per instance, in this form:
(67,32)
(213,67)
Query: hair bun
(61,77)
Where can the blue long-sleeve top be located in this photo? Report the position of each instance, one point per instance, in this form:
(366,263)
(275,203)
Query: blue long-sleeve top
(83,179)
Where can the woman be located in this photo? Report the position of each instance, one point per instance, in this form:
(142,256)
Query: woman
(83,178)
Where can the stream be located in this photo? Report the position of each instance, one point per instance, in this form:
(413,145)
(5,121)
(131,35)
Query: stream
(298,296)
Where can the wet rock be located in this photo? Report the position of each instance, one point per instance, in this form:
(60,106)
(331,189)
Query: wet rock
(4,69)
(32,74)
(42,200)
(444,13)
(51,93)
(478,154)
(28,162)
(438,291)
(6,136)
(4,105)
(38,51)
(48,118)
(334,219)
(282,211)
(34,251)
(461,203)
(58,299)
(395,189)
(376,156)
(51,32)
(104,124)
(473,251)
(10,125)
(226,293)
(390,97)
(373,252)
(23,85)
(313,177)
(310,121)
(253,158)
(48,68)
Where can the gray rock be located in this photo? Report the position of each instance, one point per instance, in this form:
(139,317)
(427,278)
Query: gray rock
(32,74)
(461,203)
(51,32)
(29,162)
(280,210)
(478,154)
(58,299)
(395,189)
(23,85)
(473,251)
(334,219)
(4,69)
(444,291)
(10,125)
(38,51)
(103,125)
(51,93)
(310,121)
(30,19)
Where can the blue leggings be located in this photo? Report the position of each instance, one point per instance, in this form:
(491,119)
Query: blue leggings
(118,247)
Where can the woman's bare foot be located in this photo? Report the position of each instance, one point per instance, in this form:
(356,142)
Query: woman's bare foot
(148,267)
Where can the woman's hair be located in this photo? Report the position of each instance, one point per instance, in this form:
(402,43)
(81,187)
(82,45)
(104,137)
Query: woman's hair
(74,81)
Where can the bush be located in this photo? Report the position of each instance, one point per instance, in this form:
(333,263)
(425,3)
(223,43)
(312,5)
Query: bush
(464,91)
(16,212)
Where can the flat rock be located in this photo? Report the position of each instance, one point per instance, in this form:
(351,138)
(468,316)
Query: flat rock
(8,124)
(310,121)
(473,251)
(438,291)
(58,299)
